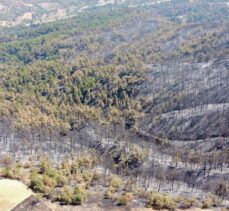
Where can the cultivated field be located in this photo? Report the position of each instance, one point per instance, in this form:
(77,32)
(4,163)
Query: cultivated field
(12,193)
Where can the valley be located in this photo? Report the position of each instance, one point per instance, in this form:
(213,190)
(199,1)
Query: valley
(119,105)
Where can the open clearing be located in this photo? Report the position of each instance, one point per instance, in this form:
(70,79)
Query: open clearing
(12,193)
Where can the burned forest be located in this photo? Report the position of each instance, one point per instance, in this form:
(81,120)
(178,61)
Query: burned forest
(116,105)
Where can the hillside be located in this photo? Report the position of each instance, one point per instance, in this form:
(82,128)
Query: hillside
(40,11)
(117,103)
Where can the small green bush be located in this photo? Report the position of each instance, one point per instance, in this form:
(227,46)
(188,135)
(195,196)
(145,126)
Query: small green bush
(115,182)
(48,181)
(125,199)
(185,203)
(61,180)
(158,201)
(44,166)
(86,176)
(84,162)
(51,172)
(8,172)
(142,193)
(76,197)
(65,196)
(79,196)
(208,202)
(37,184)
(65,167)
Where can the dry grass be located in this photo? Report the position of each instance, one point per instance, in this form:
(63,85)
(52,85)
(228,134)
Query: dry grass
(12,193)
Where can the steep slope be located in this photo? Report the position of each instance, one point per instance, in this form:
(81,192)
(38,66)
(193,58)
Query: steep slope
(188,101)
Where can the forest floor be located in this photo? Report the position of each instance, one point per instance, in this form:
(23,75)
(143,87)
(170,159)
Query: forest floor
(15,194)
(95,207)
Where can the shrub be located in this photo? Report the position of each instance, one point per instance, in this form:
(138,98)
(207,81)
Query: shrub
(207,202)
(61,180)
(115,182)
(158,201)
(142,193)
(44,166)
(74,168)
(78,178)
(109,194)
(58,177)
(79,196)
(65,167)
(17,173)
(84,162)
(86,176)
(53,177)
(51,172)
(37,184)
(8,172)
(48,181)
(76,197)
(185,203)
(125,199)
(33,172)
(130,185)
(65,196)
